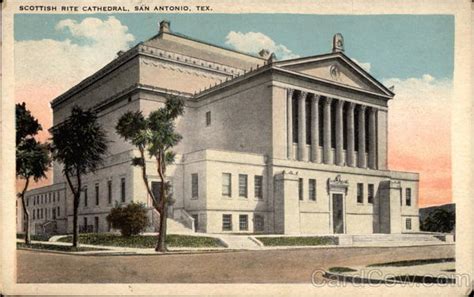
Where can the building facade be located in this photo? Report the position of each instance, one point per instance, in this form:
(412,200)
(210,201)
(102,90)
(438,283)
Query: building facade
(292,147)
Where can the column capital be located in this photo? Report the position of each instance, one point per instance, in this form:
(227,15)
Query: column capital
(362,107)
(302,95)
(328,100)
(290,92)
(316,98)
(373,110)
(340,103)
(351,106)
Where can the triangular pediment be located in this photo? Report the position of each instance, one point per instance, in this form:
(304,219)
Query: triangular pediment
(336,68)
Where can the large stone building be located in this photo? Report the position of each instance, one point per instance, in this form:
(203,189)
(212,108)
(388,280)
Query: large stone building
(294,147)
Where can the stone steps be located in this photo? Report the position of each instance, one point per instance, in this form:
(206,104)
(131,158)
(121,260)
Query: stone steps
(395,238)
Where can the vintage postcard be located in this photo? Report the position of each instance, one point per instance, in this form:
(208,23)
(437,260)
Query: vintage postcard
(236,148)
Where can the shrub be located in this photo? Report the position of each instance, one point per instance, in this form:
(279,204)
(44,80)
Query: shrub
(130,219)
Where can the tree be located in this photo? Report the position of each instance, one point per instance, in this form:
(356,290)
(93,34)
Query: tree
(439,220)
(130,220)
(79,143)
(156,136)
(32,157)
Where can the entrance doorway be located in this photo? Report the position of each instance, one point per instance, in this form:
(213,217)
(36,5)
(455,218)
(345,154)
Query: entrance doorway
(337,213)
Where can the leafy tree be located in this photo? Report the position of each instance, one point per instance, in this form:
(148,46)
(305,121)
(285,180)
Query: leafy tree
(439,220)
(130,220)
(32,157)
(79,143)
(155,135)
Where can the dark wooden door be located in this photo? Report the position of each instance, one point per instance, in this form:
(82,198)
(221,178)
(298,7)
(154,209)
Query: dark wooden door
(337,213)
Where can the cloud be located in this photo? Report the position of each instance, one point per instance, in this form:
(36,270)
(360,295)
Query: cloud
(365,66)
(420,133)
(46,68)
(253,42)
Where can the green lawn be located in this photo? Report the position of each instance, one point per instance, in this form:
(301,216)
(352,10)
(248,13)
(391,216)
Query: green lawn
(141,241)
(51,247)
(298,241)
(413,262)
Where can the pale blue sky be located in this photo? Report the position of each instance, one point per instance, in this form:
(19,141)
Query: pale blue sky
(400,46)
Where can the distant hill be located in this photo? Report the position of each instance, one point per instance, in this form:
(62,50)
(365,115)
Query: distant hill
(425,211)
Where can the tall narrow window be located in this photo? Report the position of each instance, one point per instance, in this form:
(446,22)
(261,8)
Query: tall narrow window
(295,117)
(194,186)
(109,191)
(122,189)
(226,184)
(243,222)
(85,196)
(85,224)
(408,224)
(243,185)
(370,193)
(258,185)
(308,119)
(96,194)
(312,189)
(34,214)
(408,196)
(156,190)
(300,189)
(96,224)
(360,193)
(226,222)
(59,214)
(208,118)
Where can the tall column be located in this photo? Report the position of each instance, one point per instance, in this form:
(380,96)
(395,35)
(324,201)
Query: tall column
(289,122)
(361,137)
(372,138)
(302,152)
(339,133)
(315,128)
(327,131)
(350,160)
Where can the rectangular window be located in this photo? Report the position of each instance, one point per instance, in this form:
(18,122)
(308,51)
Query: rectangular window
(408,224)
(300,188)
(227,222)
(243,222)
(54,213)
(226,184)
(258,223)
(258,186)
(58,212)
(85,196)
(312,189)
(96,224)
(85,223)
(122,189)
(408,196)
(208,118)
(49,197)
(109,191)
(156,190)
(96,194)
(34,214)
(370,193)
(243,185)
(360,193)
(194,185)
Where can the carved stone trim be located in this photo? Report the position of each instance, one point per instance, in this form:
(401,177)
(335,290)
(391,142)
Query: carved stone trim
(338,185)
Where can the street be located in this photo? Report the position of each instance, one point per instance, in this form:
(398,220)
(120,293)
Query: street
(269,266)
